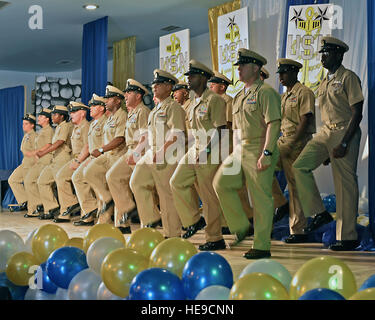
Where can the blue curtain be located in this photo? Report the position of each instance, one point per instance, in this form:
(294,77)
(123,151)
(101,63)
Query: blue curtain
(94,58)
(12,108)
(371,112)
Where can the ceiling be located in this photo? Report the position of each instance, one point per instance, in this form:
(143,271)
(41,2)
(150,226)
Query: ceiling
(23,49)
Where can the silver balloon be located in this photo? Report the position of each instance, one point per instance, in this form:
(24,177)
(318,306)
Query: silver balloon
(105,294)
(28,241)
(84,286)
(99,249)
(214,293)
(10,243)
(61,294)
(36,294)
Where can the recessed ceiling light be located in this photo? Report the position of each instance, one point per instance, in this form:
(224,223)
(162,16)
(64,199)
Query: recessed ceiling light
(91,6)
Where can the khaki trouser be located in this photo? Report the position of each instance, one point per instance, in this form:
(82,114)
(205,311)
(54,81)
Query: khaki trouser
(31,187)
(85,194)
(182,184)
(95,175)
(143,181)
(45,183)
(344,171)
(16,182)
(259,184)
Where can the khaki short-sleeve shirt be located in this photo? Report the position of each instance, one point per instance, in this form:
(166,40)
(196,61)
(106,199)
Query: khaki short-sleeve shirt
(95,135)
(63,132)
(79,137)
(44,137)
(136,125)
(28,145)
(114,128)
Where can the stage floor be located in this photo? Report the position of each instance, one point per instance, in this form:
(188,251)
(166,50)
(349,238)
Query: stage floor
(292,257)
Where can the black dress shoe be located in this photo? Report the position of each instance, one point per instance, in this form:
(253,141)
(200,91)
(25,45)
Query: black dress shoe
(23,206)
(72,210)
(31,215)
(193,229)
(58,220)
(39,208)
(125,230)
(83,223)
(296,238)
(257,254)
(281,212)
(212,246)
(106,207)
(344,245)
(225,231)
(50,215)
(154,224)
(90,214)
(318,221)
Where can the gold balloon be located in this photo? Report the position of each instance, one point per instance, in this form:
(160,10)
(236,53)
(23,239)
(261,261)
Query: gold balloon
(145,241)
(19,269)
(323,272)
(101,231)
(74,242)
(172,254)
(367,294)
(258,286)
(47,239)
(119,268)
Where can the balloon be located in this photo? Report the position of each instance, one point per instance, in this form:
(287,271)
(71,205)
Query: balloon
(99,249)
(61,294)
(64,263)
(47,239)
(156,284)
(104,294)
(203,270)
(36,294)
(101,231)
(145,241)
(19,268)
(321,294)
(369,283)
(10,243)
(330,203)
(323,272)
(367,294)
(258,286)
(84,286)
(120,267)
(17,292)
(42,280)
(74,242)
(270,267)
(172,254)
(29,241)
(214,293)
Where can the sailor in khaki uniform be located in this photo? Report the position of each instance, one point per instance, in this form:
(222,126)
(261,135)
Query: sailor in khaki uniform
(17,178)
(42,141)
(297,127)
(60,148)
(113,148)
(85,194)
(340,103)
(69,205)
(166,126)
(264,74)
(207,116)
(256,125)
(118,176)
(181,93)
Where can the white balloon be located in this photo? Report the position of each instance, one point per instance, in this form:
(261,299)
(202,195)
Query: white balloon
(61,294)
(30,294)
(36,294)
(213,293)
(29,240)
(104,294)
(10,243)
(84,285)
(99,249)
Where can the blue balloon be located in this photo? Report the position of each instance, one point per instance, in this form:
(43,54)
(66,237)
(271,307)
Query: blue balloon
(330,203)
(156,284)
(42,280)
(321,294)
(369,283)
(17,292)
(64,263)
(203,270)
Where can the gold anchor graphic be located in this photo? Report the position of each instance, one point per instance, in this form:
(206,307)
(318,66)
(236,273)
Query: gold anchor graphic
(174,48)
(233,36)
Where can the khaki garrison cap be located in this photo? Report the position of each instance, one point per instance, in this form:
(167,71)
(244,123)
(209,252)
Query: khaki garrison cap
(60,110)
(75,106)
(29,117)
(161,76)
(196,67)
(220,78)
(264,73)
(133,85)
(245,56)
(285,65)
(45,112)
(111,91)
(181,85)
(333,44)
